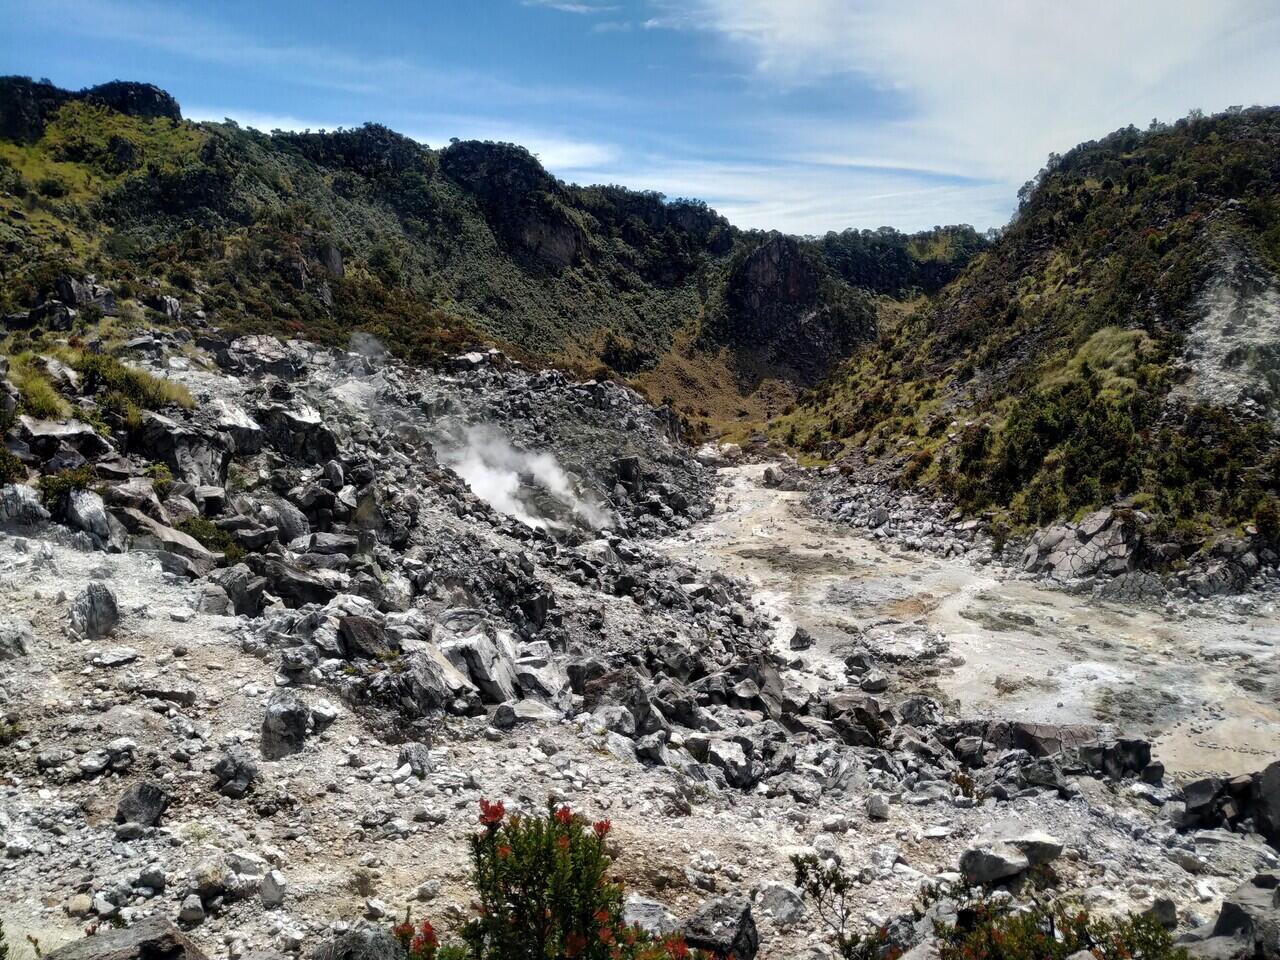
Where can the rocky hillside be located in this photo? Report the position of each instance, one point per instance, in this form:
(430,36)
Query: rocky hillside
(321,234)
(1117,343)
(277,620)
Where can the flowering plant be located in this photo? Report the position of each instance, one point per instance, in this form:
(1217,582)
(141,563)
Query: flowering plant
(544,893)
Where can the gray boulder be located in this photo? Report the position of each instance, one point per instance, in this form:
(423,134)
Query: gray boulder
(94,612)
(284,727)
(154,938)
(651,916)
(143,802)
(20,506)
(992,861)
(1252,914)
(16,638)
(235,773)
(724,926)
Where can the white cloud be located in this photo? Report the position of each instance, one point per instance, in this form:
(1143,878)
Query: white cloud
(571,6)
(990,87)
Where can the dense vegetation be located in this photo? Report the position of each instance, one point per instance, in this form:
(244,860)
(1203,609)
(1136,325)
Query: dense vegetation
(321,233)
(1044,379)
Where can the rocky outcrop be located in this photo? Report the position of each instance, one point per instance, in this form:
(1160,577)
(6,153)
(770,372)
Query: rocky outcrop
(783,305)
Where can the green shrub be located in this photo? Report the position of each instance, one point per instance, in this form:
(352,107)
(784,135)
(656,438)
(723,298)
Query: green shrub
(988,930)
(828,887)
(543,891)
(103,371)
(161,479)
(12,469)
(212,537)
(55,488)
(36,396)
(1266,517)
(52,187)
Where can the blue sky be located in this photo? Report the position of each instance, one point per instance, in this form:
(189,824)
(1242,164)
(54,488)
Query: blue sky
(799,115)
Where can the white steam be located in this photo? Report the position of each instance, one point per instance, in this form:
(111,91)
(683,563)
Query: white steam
(532,487)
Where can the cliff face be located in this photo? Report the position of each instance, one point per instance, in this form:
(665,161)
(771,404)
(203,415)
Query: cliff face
(783,305)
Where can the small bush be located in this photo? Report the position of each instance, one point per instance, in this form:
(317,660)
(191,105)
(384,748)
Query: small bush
(52,187)
(12,469)
(828,887)
(543,892)
(212,537)
(1266,517)
(36,396)
(102,371)
(161,479)
(986,930)
(55,488)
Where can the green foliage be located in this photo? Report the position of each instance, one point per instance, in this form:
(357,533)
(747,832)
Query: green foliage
(127,387)
(828,887)
(212,537)
(161,478)
(10,731)
(987,929)
(1060,341)
(55,488)
(12,470)
(37,397)
(543,893)
(440,249)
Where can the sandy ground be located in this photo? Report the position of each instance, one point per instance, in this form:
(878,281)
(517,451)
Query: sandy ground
(1202,679)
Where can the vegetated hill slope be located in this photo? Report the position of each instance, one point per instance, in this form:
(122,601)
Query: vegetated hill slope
(1120,338)
(319,234)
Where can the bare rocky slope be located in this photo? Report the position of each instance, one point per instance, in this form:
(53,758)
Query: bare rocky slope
(260,692)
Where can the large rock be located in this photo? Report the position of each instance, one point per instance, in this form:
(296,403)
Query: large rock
(284,727)
(294,586)
(365,942)
(491,668)
(725,927)
(987,862)
(154,938)
(20,506)
(16,637)
(143,802)
(46,437)
(196,456)
(1252,913)
(425,681)
(235,773)
(1266,811)
(651,916)
(87,512)
(149,534)
(298,433)
(94,612)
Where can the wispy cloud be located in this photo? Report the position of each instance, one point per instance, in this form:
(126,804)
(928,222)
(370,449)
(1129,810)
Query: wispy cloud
(570,6)
(989,87)
(146,24)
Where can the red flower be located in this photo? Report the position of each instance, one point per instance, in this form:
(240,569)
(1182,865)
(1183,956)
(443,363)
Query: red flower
(602,916)
(605,934)
(564,816)
(563,842)
(602,828)
(504,851)
(574,944)
(677,949)
(491,814)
